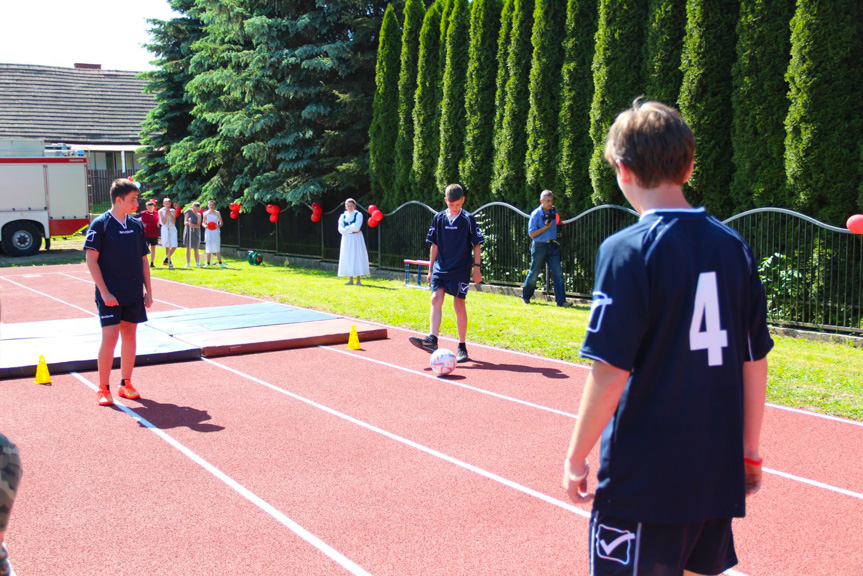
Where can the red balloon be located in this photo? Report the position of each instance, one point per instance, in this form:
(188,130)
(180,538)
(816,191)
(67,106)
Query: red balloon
(855,224)
(212,225)
(274,218)
(372,208)
(373,222)
(179,211)
(234,214)
(269,208)
(316,207)
(377,216)
(315,216)
(557,218)
(235,207)
(276,209)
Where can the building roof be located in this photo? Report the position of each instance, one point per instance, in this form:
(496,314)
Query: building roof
(72,105)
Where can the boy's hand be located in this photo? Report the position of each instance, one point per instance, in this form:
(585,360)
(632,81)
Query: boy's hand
(575,483)
(753,476)
(148,300)
(109,299)
(477,276)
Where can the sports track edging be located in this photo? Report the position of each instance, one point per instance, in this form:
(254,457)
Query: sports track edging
(786,475)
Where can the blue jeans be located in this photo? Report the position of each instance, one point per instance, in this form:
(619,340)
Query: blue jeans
(541,254)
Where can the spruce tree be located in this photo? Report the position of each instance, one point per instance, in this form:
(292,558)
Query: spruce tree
(665,27)
(760,103)
(825,117)
(475,167)
(385,118)
(510,144)
(414,13)
(576,95)
(503,45)
(426,127)
(709,51)
(617,81)
(169,121)
(549,17)
(452,126)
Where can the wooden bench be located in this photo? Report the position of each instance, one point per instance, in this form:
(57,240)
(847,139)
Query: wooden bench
(419,264)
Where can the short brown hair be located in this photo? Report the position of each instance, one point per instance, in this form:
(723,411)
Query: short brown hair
(654,141)
(454,192)
(121,187)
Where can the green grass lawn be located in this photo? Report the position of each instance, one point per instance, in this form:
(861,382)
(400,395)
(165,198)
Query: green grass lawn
(825,377)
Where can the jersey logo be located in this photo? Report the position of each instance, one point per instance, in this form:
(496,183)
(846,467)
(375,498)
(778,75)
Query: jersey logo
(91,235)
(597,311)
(613,544)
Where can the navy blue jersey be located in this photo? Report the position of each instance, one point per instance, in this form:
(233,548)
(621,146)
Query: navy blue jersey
(678,303)
(121,246)
(455,240)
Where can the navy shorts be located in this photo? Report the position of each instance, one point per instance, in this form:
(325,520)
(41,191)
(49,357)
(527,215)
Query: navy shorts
(620,547)
(152,241)
(454,288)
(113,315)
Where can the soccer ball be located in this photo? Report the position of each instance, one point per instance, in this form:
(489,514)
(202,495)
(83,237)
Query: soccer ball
(442,361)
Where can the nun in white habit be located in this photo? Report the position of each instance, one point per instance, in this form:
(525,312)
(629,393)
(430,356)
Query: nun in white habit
(353,256)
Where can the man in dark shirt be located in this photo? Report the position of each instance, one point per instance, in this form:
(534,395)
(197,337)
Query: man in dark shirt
(116,254)
(455,251)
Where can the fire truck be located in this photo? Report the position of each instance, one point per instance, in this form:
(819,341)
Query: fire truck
(40,196)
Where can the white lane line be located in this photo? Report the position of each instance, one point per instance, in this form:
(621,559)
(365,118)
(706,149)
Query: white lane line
(815,483)
(815,414)
(217,291)
(331,552)
(88,312)
(491,476)
(90,282)
(453,383)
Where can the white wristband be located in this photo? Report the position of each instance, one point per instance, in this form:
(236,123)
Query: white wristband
(572,477)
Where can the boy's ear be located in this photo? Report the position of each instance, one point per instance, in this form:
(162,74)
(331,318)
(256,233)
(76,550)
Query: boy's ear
(689,171)
(626,175)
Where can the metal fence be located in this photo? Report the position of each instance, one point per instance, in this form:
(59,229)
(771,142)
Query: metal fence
(99,187)
(812,272)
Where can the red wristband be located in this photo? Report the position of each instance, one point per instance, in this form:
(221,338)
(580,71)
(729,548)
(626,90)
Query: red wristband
(753,462)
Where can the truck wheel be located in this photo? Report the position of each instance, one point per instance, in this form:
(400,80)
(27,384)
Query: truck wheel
(21,239)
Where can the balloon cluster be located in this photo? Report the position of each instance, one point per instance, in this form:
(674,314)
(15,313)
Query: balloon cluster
(273,210)
(179,210)
(375,216)
(317,212)
(855,224)
(235,210)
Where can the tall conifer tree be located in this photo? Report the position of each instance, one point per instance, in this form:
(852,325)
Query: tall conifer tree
(576,95)
(825,119)
(617,81)
(503,44)
(510,144)
(549,17)
(385,121)
(760,103)
(665,28)
(452,126)
(709,51)
(475,168)
(426,127)
(414,13)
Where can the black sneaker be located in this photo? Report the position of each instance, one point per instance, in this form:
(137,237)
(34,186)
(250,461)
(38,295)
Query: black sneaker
(165,262)
(5,569)
(566,304)
(429,343)
(525,300)
(461,354)
(151,265)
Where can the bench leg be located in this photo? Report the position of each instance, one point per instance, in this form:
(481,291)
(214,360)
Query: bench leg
(407,274)
(419,275)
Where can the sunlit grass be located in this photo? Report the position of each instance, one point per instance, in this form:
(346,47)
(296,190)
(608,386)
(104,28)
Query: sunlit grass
(825,377)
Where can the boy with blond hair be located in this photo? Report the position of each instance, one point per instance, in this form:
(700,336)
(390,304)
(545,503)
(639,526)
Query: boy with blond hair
(678,336)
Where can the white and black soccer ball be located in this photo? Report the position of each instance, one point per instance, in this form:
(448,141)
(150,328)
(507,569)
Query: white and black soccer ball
(442,361)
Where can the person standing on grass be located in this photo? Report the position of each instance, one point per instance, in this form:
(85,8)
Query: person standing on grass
(150,220)
(544,249)
(168,222)
(353,256)
(678,335)
(212,233)
(116,253)
(192,234)
(454,258)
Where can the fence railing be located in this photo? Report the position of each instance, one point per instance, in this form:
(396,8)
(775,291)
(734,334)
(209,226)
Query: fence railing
(812,272)
(99,187)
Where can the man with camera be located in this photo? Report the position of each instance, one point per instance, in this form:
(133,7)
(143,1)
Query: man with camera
(542,228)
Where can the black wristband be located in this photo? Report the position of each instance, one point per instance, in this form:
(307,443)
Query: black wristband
(477,265)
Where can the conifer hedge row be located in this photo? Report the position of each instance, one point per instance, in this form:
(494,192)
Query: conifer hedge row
(514,96)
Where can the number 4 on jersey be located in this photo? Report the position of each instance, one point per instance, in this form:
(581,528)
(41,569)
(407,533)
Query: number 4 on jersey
(706,311)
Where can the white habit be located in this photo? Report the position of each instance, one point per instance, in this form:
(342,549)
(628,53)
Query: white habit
(353,256)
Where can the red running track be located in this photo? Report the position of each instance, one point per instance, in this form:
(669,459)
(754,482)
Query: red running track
(330,461)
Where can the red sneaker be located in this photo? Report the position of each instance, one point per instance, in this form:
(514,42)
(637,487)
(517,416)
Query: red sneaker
(104,398)
(128,391)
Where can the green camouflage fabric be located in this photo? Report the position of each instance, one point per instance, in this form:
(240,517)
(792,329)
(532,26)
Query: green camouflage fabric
(10,475)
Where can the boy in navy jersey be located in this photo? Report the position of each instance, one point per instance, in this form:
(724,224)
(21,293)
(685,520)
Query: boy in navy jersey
(116,251)
(454,258)
(679,339)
